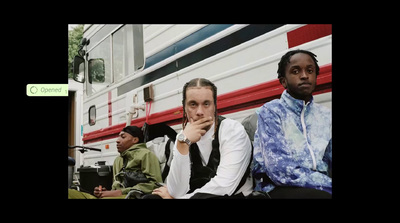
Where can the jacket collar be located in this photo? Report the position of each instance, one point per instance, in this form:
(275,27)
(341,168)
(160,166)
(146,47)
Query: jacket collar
(294,104)
(133,147)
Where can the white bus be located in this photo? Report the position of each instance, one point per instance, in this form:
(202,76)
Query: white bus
(123,67)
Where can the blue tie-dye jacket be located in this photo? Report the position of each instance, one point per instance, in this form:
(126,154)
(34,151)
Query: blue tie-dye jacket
(288,153)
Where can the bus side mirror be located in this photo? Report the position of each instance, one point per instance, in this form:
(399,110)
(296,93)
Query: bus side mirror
(79,69)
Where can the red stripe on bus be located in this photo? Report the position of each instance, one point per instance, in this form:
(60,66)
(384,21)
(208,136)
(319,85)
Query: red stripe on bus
(239,100)
(308,33)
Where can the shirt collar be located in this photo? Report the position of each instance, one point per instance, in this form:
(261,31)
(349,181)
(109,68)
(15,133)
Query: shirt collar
(295,104)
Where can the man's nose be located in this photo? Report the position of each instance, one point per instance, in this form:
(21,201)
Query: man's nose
(200,111)
(303,74)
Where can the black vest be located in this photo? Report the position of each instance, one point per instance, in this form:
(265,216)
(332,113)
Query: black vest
(200,174)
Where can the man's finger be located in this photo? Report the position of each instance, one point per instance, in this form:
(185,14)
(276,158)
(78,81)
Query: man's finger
(204,120)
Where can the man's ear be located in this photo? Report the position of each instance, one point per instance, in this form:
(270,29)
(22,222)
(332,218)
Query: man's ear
(283,82)
(135,140)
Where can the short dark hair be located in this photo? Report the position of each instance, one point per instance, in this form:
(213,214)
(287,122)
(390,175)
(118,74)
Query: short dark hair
(285,60)
(134,131)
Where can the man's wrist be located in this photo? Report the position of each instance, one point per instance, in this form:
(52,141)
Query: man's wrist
(182,146)
(183,139)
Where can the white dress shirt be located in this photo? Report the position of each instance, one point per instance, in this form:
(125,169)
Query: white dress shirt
(235,150)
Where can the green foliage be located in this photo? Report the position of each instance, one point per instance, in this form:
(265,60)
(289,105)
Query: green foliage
(96,70)
(74,38)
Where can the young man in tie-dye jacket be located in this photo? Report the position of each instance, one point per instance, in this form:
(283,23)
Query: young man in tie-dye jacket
(293,141)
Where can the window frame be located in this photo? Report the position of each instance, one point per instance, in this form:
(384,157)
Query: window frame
(133,58)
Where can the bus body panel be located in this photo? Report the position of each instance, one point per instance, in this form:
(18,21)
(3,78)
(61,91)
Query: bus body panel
(175,54)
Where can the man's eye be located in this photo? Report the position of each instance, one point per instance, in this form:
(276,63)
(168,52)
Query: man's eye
(295,71)
(310,71)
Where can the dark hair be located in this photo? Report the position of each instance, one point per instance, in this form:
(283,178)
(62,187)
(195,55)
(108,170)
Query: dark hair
(134,131)
(199,82)
(285,60)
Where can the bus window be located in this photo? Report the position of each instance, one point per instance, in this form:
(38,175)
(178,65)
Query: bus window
(138,47)
(127,51)
(114,53)
(96,70)
(92,115)
(99,66)
(119,65)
